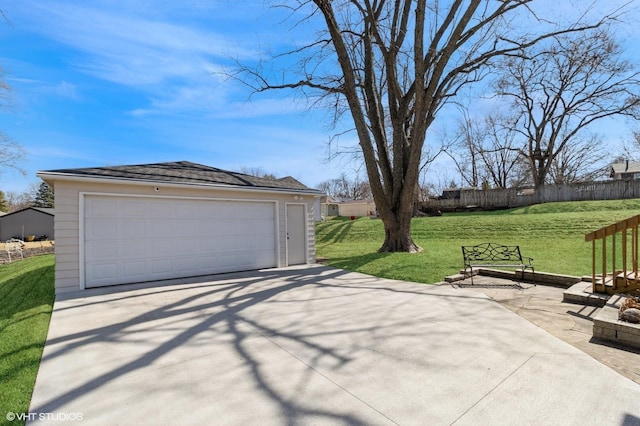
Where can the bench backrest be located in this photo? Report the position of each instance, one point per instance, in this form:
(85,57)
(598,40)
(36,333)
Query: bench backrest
(13,246)
(491,252)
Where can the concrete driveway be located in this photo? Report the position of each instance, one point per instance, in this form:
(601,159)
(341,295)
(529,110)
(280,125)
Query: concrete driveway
(314,345)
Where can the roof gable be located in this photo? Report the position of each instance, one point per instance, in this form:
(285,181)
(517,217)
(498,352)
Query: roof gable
(626,167)
(180,172)
(47,211)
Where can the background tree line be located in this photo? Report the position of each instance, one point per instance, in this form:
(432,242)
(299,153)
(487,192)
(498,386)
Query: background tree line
(37,196)
(548,100)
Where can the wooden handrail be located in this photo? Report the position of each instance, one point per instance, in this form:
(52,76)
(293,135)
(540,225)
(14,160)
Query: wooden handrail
(621,280)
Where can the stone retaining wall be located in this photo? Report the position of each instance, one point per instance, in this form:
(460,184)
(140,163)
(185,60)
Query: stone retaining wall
(32,249)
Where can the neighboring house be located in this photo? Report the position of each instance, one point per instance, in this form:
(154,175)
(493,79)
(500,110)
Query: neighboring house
(625,170)
(30,221)
(330,207)
(129,224)
(340,207)
(357,208)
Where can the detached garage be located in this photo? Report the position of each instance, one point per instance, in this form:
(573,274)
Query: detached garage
(130,224)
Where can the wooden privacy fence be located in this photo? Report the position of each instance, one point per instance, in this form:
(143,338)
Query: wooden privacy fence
(519,197)
(618,260)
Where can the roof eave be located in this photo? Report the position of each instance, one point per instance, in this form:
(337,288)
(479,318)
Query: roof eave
(53,176)
(39,210)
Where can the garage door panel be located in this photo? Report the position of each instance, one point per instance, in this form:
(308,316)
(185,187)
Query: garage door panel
(159,227)
(226,211)
(187,210)
(130,239)
(102,249)
(206,262)
(241,244)
(130,208)
(209,211)
(185,265)
(160,247)
(161,266)
(133,228)
(211,245)
(187,228)
(263,227)
(257,210)
(223,227)
(102,228)
(228,260)
(134,269)
(159,209)
(104,272)
(264,258)
(102,208)
(263,245)
(185,246)
(133,248)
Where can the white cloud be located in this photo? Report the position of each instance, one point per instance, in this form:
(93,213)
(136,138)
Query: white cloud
(65,90)
(128,49)
(173,63)
(62,89)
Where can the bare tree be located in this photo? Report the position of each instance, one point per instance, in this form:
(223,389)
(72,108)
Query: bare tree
(500,154)
(343,187)
(16,201)
(465,148)
(630,148)
(560,89)
(11,152)
(585,160)
(398,63)
(486,152)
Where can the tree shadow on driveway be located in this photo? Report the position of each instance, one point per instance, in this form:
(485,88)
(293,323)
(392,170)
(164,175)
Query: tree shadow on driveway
(273,347)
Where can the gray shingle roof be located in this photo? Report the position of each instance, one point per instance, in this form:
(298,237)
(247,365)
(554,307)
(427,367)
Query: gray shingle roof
(184,172)
(626,167)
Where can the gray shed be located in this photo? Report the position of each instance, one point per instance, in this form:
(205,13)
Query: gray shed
(34,221)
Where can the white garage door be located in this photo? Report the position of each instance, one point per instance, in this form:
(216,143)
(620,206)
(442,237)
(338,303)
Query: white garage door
(135,239)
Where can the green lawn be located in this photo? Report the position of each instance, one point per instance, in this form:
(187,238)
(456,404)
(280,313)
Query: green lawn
(553,234)
(26,300)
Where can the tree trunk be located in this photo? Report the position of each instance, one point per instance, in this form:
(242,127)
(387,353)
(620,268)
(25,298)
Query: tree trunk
(541,169)
(397,229)
(397,237)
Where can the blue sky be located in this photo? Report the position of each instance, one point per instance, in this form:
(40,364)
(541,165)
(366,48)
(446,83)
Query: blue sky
(126,82)
(109,82)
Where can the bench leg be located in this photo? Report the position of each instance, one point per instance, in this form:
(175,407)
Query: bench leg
(533,274)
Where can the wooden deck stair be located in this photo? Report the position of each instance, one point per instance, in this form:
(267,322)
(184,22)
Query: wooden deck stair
(618,270)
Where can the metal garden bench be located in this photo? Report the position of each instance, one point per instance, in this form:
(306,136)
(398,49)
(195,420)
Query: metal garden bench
(492,255)
(14,246)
